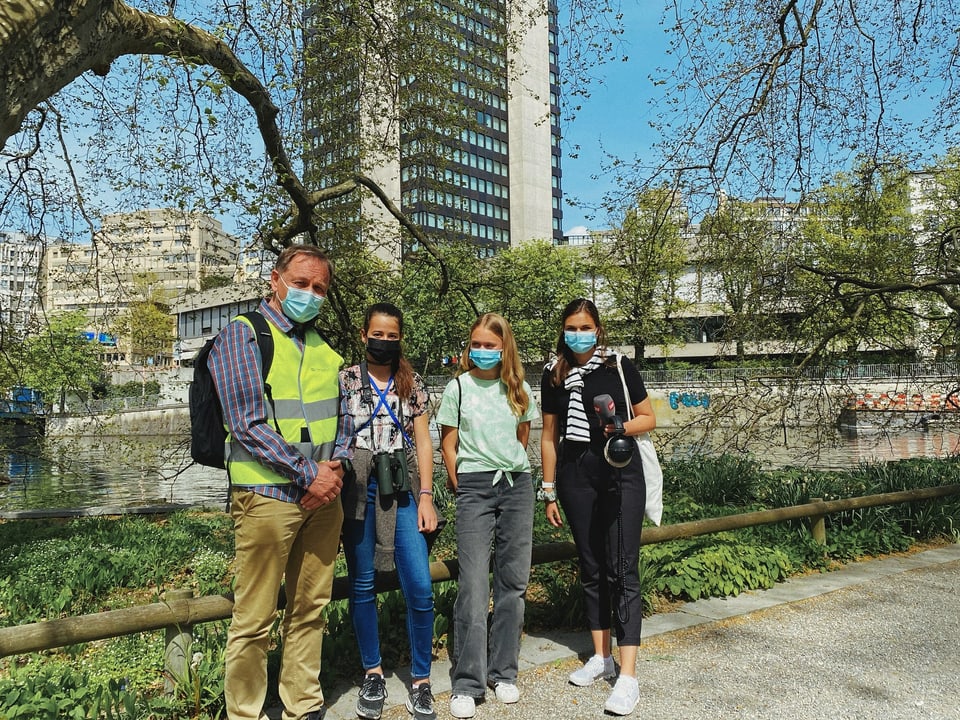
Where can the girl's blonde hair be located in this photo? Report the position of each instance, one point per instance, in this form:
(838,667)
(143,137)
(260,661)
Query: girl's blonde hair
(511,369)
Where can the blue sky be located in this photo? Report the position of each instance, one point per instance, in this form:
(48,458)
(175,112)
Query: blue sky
(615,119)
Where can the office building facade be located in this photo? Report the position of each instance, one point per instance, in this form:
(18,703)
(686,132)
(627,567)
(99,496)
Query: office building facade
(467,147)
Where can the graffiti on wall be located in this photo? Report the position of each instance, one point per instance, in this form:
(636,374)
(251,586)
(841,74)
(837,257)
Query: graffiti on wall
(689,400)
(917,402)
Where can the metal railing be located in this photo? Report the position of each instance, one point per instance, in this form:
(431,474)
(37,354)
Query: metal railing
(836,373)
(108,406)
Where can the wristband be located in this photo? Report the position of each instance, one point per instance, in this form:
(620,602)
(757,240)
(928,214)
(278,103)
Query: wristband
(427,492)
(547,495)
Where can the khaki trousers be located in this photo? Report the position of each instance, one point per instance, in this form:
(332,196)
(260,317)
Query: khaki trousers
(277,540)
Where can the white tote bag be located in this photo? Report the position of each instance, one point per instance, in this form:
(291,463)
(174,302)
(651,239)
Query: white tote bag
(652,473)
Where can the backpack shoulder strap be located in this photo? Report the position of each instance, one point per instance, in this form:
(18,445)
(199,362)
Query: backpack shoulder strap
(264,338)
(366,393)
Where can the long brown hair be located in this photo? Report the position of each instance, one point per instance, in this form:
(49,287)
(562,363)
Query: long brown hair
(565,358)
(511,368)
(402,369)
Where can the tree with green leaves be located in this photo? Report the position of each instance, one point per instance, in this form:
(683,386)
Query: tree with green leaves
(530,285)
(642,268)
(59,360)
(858,270)
(146,327)
(741,255)
(436,323)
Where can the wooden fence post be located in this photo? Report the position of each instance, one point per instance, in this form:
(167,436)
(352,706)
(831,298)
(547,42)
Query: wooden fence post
(818,525)
(178,640)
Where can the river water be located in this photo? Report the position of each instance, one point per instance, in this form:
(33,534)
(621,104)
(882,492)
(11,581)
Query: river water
(116,471)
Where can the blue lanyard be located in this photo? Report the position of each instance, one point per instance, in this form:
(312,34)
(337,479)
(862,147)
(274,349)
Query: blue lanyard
(382,402)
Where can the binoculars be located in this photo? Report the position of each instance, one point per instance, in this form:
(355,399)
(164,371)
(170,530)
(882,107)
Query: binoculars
(392,472)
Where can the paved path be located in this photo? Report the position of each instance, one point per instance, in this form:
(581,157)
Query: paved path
(876,639)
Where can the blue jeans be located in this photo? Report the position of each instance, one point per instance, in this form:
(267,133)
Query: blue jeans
(502,516)
(413,570)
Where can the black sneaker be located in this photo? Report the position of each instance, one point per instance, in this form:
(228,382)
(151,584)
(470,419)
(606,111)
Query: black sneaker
(420,702)
(372,694)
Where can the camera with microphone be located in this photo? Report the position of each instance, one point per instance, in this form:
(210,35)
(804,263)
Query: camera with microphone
(619,448)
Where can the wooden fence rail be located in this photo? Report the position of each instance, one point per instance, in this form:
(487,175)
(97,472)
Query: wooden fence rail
(177,613)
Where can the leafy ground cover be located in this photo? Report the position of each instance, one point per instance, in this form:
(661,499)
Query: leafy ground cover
(51,569)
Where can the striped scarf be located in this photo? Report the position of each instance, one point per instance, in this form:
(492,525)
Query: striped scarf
(578,428)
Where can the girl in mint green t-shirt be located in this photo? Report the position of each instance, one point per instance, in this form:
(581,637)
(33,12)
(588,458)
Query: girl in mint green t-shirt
(484,418)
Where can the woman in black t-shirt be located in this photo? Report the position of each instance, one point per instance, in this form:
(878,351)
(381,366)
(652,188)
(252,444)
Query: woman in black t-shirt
(603,504)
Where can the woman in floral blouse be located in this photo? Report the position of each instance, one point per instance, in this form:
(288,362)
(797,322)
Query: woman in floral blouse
(388,510)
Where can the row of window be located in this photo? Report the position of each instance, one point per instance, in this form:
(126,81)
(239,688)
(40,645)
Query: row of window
(207,321)
(19,256)
(493,122)
(460,156)
(484,141)
(471,24)
(475,230)
(455,202)
(490,99)
(457,179)
(477,8)
(484,72)
(470,159)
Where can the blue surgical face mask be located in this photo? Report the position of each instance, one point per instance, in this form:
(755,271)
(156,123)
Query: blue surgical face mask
(580,341)
(300,305)
(485,359)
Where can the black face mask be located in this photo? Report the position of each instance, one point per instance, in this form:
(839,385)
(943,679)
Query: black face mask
(383,352)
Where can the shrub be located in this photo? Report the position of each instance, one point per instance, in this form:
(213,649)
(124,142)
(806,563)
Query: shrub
(723,480)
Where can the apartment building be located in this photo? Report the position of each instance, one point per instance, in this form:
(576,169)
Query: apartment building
(164,252)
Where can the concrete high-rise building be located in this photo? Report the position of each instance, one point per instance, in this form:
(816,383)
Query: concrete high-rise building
(457,120)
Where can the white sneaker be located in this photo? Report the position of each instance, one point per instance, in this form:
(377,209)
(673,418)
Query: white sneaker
(507,693)
(594,669)
(625,696)
(462,706)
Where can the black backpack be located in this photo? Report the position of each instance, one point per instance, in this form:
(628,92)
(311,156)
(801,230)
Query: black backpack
(207,434)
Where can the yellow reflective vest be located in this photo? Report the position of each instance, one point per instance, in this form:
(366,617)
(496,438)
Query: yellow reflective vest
(306,401)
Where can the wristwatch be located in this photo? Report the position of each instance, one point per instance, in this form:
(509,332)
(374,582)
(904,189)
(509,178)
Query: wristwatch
(547,495)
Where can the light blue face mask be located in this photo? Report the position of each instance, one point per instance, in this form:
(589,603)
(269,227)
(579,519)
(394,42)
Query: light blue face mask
(300,305)
(580,341)
(485,359)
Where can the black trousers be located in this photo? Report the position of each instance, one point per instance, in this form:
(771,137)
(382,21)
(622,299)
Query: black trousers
(604,507)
